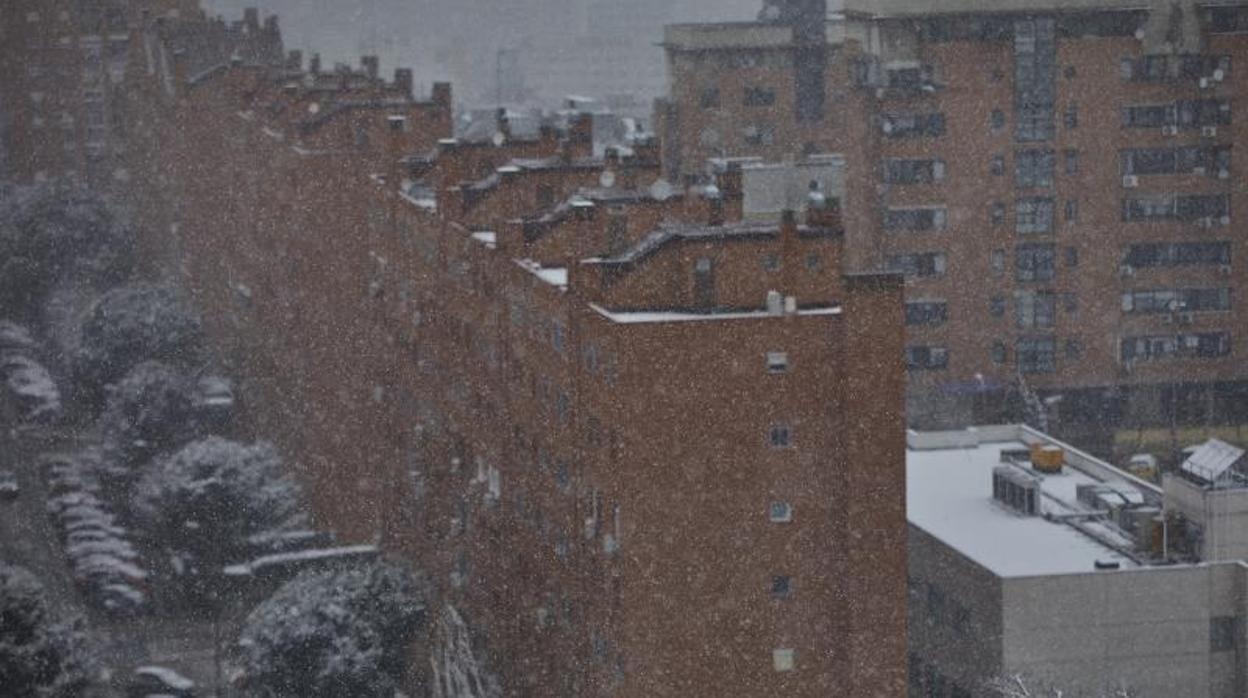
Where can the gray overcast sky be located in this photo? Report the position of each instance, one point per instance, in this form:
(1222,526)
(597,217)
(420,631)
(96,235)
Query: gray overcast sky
(427,34)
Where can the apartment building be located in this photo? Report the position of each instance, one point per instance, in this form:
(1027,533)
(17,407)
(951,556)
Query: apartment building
(649,447)
(1056,180)
(61,66)
(1079,577)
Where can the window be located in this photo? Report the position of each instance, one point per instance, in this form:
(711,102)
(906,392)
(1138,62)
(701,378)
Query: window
(1205,345)
(1183,114)
(997,165)
(1070,303)
(999,352)
(781,586)
(709,99)
(997,120)
(996,262)
(1033,215)
(1070,162)
(759,134)
(783,660)
(996,214)
(780,512)
(1073,349)
(561,407)
(1214,161)
(1036,355)
(779,436)
(1177,207)
(777,362)
(759,97)
(1072,211)
(912,125)
(813,262)
(915,219)
(1035,309)
(1034,262)
(996,306)
(899,171)
(1192,300)
(925,358)
(917,265)
(1033,168)
(1072,256)
(1178,254)
(771,262)
(929,313)
(1070,119)
(1223,633)
(562,476)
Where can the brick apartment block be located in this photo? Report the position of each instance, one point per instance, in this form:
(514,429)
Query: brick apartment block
(650,448)
(1057,181)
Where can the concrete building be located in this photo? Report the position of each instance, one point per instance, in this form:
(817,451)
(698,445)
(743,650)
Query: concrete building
(1085,579)
(648,447)
(1055,180)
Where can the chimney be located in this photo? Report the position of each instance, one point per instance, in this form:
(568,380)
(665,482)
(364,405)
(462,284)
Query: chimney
(504,125)
(442,94)
(581,136)
(714,200)
(314,64)
(731,181)
(371,66)
(294,60)
(251,20)
(403,81)
(270,27)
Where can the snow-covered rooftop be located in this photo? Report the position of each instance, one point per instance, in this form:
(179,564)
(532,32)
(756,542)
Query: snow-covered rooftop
(1211,460)
(634,317)
(555,276)
(949,495)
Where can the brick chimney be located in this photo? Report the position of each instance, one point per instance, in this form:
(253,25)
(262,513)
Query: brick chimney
(504,124)
(442,94)
(251,20)
(403,81)
(314,64)
(580,136)
(294,60)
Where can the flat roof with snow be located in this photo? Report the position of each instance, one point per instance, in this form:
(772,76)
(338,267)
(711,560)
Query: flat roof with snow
(949,495)
(635,317)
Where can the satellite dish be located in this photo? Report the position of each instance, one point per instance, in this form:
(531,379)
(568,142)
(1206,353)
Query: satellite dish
(499,138)
(661,190)
(607,180)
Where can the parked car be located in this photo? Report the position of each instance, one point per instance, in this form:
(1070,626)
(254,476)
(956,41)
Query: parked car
(153,680)
(8,485)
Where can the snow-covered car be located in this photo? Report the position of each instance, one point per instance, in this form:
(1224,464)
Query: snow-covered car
(152,680)
(115,547)
(84,510)
(100,521)
(9,488)
(92,534)
(120,598)
(103,569)
(15,339)
(32,389)
(61,502)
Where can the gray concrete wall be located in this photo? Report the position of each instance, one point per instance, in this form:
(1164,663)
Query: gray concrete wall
(954,617)
(1149,629)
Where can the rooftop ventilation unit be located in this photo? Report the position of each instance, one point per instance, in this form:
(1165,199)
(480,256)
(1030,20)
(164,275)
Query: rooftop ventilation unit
(1016,489)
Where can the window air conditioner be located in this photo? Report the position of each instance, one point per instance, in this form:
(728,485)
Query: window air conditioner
(1224,220)
(1205,83)
(1209,131)
(1130,182)
(1219,75)
(1198,171)
(1185,318)
(1169,130)
(1224,174)
(1206,222)
(1127,270)
(1225,269)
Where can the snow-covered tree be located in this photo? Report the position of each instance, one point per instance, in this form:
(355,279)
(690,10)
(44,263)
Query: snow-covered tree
(41,655)
(150,410)
(457,670)
(203,502)
(133,324)
(337,632)
(53,231)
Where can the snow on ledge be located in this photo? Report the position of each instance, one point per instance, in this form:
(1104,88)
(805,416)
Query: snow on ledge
(486,237)
(555,276)
(632,318)
(301,557)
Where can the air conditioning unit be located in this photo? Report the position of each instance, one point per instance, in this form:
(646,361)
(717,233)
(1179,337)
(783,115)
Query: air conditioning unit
(880,92)
(1130,181)
(1126,270)
(1224,220)
(1206,222)
(1209,131)
(1224,174)
(1219,75)
(1169,130)
(1185,318)
(1225,270)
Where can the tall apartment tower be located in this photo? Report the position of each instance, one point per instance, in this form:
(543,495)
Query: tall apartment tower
(1056,180)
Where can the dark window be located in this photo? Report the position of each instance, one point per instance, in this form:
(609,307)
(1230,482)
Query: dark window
(781,586)
(1000,354)
(1033,215)
(1177,207)
(922,264)
(1191,300)
(779,436)
(1072,256)
(1185,114)
(996,262)
(997,306)
(545,196)
(997,165)
(1035,309)
(1209,161)
(996,214)
(924,358)
(1034,262)
(1036,355)
(912,125)
(1072,211)
(927,313)
(759,97)
(1033,168)
(771,262)
(1206,345)
(1070,159)
(914,219)
(997,120)
(897,171)
(1178,254)
(1071,117)
(1223,633)
(759,134)
(813,263)
(709,98)
(1073,349)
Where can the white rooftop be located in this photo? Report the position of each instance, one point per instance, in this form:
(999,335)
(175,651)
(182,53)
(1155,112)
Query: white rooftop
(949,496)
(1211,460)
(631,317)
